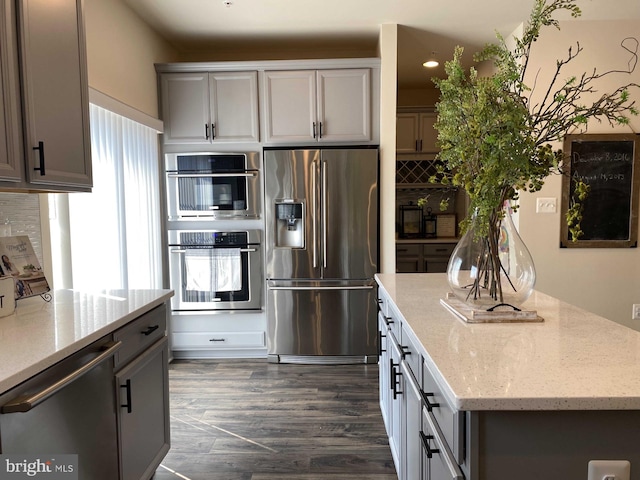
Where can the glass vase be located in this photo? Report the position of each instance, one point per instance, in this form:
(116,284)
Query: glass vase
(492,270)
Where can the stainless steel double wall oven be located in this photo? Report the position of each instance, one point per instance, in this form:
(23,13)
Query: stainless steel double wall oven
(213,264)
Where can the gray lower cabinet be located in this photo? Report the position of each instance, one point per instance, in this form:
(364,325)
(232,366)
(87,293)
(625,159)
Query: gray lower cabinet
(143,395)
(432,440)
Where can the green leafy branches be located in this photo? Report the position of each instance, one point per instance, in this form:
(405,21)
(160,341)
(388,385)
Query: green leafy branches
(493,142)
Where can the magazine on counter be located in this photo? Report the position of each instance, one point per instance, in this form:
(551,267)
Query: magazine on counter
(18,260)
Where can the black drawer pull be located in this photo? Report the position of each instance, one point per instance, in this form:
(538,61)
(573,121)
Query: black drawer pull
(425,443)
(387,320)
(394,379)
(425,397)
(150,329)
(380,337)
(405,351)
(217,339)
(127,385)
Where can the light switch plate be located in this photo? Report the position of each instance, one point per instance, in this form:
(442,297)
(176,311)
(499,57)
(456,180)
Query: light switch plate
(546,205)
(609,470)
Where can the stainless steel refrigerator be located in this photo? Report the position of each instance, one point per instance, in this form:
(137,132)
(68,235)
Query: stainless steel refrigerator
(321,253)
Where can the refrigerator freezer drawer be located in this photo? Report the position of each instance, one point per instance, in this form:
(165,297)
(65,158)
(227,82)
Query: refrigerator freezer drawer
(307,320)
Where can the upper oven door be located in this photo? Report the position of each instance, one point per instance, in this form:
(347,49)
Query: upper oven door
(212,270)
(213,185)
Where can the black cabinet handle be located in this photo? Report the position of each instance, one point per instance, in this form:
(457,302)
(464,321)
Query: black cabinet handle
(425,443)
(380,337)
(320,129)
(394,379)
(405,351)
(206,131)
(40,147)
(217,339)
(387,320)
(314,130)
(425,397)
(150,330)
(127,386)
(213,131)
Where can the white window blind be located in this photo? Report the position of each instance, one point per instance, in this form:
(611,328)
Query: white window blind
(114,231)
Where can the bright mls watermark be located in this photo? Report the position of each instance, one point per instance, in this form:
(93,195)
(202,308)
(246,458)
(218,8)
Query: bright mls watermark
(49,467)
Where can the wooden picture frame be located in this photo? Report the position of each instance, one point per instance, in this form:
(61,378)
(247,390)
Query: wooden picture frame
(609,164)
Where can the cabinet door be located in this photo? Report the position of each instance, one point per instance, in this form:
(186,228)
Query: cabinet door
(428,133)
(55,93)
(344,105)
(185,107)
(290,106)
(11,167)
(234,106)
(395,399)
(407,132)
(384,377)
(411,421)
(143,417)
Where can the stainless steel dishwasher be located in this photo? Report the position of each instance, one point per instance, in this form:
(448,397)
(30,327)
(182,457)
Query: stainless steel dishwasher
(69,408)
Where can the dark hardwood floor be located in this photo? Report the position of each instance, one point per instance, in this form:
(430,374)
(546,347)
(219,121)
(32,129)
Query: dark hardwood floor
(252,420)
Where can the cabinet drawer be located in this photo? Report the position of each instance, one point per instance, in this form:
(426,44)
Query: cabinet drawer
(410,354)
(447,417)
(382,303)
(140,334)
(441,464)
(222,340)
(393,321)
(408,250)
(439,249)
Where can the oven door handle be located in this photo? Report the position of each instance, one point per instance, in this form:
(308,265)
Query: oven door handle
(305,288)
(211,175)
(22,404)
(242,250)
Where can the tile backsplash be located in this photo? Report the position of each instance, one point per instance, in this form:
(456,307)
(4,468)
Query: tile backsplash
(22,210)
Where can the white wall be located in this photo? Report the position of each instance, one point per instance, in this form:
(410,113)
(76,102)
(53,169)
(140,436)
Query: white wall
(388,51)
(604,281)
(121,52)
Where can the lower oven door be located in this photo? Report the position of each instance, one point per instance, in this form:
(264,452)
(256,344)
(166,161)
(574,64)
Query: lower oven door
(216,278)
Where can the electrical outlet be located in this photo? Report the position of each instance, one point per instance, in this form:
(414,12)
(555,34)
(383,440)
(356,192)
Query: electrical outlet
(635,312)
(546,205)
(609,470)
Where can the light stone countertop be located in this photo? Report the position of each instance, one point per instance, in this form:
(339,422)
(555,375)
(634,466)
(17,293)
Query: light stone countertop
(574,360)
(39,333)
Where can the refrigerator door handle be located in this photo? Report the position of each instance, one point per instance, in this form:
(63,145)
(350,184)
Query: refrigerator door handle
(324,214)
(315,209)
(353,287)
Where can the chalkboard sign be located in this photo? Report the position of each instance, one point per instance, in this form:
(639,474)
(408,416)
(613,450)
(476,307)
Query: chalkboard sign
(608,164)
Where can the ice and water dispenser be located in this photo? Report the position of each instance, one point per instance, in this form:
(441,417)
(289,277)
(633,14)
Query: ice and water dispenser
(290,224)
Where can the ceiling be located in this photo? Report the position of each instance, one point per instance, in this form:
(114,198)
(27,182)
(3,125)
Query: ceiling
(229,29)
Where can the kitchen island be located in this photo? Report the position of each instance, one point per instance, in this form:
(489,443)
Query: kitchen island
(86,374)
(502,401)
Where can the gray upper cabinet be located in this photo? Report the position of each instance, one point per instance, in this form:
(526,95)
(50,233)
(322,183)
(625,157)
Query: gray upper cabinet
(303,106)
(11,168)
(214,107)
(55,95)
